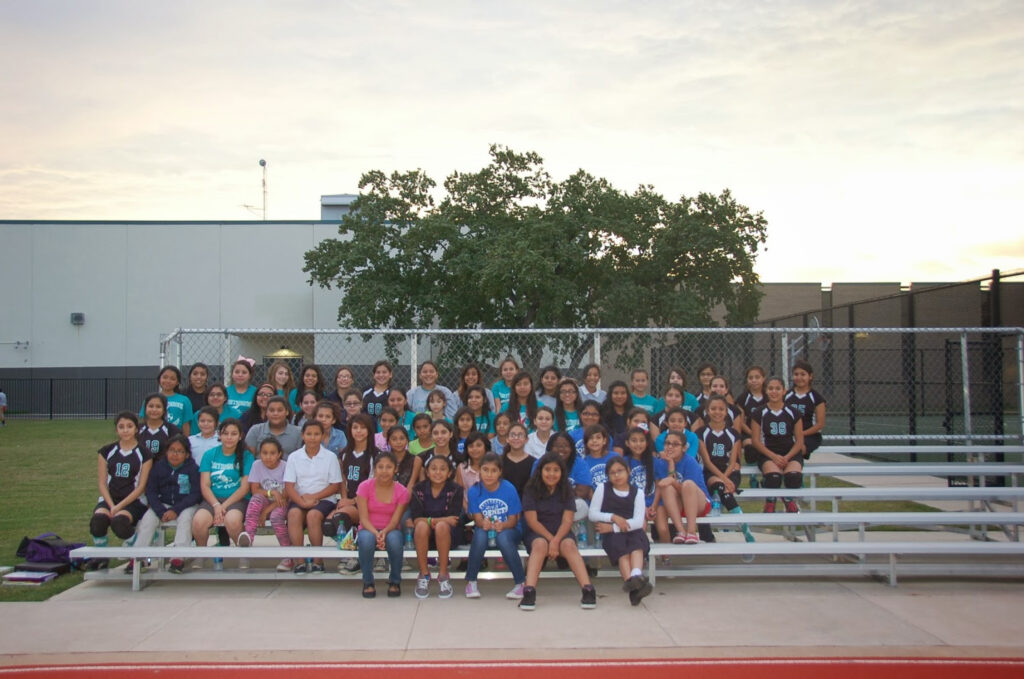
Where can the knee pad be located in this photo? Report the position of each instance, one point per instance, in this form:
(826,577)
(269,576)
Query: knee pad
(729,501)
(98,525)
(773,480)
(794,479)
(122,526)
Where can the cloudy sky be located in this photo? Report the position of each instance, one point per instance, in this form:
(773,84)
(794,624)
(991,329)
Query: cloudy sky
(882,140)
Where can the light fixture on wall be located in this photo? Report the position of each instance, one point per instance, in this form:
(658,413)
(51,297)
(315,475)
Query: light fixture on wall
(77,318)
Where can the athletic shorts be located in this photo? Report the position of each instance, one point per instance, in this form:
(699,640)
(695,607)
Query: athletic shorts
(325,507)
(236,507)
(761,459)
(136,509)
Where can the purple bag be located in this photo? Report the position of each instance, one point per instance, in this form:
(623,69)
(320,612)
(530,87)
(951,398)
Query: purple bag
(47,548)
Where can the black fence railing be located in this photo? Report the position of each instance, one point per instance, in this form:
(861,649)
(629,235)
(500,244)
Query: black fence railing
(75,398)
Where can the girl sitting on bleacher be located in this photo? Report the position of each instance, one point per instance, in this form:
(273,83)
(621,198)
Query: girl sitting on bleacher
(619,516)
(778,436)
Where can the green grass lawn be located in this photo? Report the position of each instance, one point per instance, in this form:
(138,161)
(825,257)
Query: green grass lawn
(49,486)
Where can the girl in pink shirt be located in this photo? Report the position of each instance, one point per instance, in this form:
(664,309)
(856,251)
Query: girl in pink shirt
(381,501)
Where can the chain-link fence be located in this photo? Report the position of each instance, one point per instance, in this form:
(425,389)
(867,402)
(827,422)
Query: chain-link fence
(879,382)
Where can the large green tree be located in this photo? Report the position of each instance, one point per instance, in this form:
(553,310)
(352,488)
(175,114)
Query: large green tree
(509,247)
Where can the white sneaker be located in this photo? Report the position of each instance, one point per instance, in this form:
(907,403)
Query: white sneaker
(446,588)
(380,566)
(285,566)
(472,591)
(516,592)
(422,590)
(244,539)
(198,565)
(349,566)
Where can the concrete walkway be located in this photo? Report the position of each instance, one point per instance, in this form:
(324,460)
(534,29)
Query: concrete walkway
(310,621)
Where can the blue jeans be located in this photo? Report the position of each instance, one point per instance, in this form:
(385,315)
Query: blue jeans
(508,544)
(367,544)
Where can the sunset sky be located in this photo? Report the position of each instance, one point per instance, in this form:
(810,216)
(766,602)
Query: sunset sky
(882,140)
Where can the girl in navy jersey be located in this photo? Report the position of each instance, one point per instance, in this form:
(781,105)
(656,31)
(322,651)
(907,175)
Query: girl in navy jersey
(720,454)
(502,389)
(705,373)
(436,506)
(522,403)
(376,397)
(567,412)
(356,464)
(241,390)
(809,404)
(479,406)
(733,415)
(618,514)
(122,471)
(155,429)
(616,407)
(549,508)
(749,400)
(547,392)
(778,437)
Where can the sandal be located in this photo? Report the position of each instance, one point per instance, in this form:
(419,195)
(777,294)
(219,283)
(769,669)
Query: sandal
(678,539)
(394,590)
(691,539)
(369,592)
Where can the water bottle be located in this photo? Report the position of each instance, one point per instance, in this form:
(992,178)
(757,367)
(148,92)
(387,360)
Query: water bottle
(340,533)
(716,505)
(492,536)
(582,540)
(408,539)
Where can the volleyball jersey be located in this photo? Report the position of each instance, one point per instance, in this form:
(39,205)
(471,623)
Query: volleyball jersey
(354,470)
(731,412)
(153,440)
(123,469)
(719,445)
(748,402)
(804,405)
(777,428)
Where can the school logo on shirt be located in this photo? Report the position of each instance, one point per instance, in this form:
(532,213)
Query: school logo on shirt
(597,473)
(494,509)
(184,485)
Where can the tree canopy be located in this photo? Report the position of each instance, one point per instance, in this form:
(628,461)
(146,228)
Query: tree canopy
(510,247)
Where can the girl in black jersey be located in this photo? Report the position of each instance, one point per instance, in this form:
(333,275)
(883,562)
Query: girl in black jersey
(808,404)
(749,400)
(733,415)
(122,470)
(778,438)
(720,455)
(155,429)
(705,373)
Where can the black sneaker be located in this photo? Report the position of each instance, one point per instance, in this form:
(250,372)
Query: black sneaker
(529,600)
(301,568)
(589,599)
(645,588)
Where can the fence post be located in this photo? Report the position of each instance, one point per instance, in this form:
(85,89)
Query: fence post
(1020,382)
(51,398)
(414,349)
(965,374)
(597,350)
(785,356)
(106,395)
